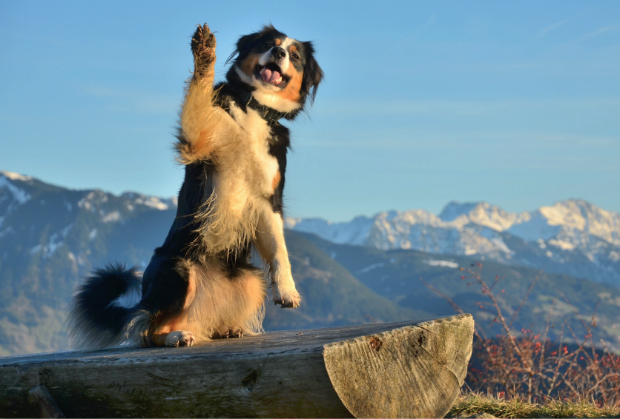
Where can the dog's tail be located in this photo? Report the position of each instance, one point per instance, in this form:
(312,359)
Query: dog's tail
(104,307)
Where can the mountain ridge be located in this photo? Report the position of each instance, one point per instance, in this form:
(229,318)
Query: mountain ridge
(562,237)
(52,237)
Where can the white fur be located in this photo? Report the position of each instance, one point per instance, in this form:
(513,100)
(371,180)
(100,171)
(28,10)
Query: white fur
(285,62)
(128,300)
(239,209)
(271,246)
(257,136)
(221,304)
(267,98)
(243,185)
(180,338)
(265,95)
(243,181)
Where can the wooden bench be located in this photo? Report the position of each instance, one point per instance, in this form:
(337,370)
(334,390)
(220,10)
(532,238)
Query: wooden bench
(405,369)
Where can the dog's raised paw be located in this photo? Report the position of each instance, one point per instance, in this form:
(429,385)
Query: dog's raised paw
(180,338)
(203,48)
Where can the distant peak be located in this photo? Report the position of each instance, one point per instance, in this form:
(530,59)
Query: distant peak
(575,202)
(15,176)
(454,209)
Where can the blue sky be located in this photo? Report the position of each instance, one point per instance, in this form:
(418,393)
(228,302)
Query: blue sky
(513,103)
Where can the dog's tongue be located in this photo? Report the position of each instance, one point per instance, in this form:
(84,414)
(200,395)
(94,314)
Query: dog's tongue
(270,76)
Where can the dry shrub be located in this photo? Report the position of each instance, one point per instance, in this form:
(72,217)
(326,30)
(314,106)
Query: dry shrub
(533,367)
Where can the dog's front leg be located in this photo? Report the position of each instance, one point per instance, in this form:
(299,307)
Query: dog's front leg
(271,246)
(199,118)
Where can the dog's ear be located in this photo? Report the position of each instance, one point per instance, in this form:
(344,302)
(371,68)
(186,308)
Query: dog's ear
(313,75)
(243,45)
(246,43)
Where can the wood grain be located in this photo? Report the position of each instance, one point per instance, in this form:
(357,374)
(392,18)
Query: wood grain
(334,372)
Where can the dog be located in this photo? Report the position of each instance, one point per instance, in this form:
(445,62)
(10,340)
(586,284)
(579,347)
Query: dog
(200,284)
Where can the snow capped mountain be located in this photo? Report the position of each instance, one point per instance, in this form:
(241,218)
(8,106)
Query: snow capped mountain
(51,238)
(23,197)
(572,236)
(13,196)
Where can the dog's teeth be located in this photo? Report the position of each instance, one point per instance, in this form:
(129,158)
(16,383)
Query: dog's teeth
(279,80)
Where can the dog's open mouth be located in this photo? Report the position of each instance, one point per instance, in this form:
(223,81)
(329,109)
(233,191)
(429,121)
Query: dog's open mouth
(272,74)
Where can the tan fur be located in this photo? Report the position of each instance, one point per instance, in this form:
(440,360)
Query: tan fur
(291,92)
(202,125)
(272,248)
(247,66)
(232,148)
(222,303)
(243,178)
(276,181)
(238,149)
(218,304)
(237,211)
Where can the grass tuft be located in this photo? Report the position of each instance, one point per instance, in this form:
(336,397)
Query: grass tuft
(478,404)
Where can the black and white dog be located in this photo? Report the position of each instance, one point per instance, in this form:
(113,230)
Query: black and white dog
(200,283)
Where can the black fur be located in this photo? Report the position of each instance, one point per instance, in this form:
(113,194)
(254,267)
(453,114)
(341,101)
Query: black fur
(260,42)
(92,309)
(278,148)
(166,279)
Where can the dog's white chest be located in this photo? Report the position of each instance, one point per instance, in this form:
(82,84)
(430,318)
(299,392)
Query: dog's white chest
(261,169)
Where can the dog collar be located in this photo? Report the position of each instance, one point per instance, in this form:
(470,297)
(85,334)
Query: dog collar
(268,114)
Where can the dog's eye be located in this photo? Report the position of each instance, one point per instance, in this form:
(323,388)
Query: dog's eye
(295,56)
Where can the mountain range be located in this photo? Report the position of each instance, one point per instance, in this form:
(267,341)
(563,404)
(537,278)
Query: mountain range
(52,237)
(571,237)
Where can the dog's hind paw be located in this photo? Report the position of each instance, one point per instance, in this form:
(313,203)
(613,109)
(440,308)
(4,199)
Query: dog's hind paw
(180,338)
(229,333)
(203,48)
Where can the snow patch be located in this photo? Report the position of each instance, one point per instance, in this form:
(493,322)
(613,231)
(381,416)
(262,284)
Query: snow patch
(370,268)
(54,242)
(16,176)
(499,243)
(19,194)
(152,202)
(112,217)
(93,200)
(354,232)
(564,245)
(442,263)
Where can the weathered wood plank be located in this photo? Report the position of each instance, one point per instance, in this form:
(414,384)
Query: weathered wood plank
(406,372)
(40,397)
(308,373)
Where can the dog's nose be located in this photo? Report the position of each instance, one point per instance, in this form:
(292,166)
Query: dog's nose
(278,53)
